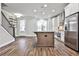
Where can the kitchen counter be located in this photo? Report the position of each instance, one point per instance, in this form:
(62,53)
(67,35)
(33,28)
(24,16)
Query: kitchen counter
(45,38)
(43,31)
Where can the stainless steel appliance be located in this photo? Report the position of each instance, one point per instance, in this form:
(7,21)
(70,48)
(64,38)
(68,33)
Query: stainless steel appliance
(72,31)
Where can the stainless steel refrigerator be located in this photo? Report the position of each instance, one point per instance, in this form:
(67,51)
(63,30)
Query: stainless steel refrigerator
(72,31)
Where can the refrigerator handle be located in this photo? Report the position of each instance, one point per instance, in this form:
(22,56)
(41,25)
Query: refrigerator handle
(66,27)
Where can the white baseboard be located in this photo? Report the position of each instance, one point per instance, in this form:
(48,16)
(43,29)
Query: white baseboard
(6,43)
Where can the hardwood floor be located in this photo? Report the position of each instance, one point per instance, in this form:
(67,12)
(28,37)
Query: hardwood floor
(26,46)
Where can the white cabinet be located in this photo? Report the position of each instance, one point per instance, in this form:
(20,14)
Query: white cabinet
(71,8)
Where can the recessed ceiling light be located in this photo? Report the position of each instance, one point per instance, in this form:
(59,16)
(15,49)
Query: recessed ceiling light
(45,5)
(53,10)
(34,10)
(18,15)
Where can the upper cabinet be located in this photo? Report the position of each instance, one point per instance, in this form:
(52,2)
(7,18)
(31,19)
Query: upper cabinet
(71,9)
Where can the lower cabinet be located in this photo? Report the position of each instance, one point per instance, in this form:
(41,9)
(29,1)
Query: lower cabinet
(45,38)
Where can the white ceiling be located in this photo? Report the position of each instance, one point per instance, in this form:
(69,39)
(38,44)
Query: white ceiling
(27,9)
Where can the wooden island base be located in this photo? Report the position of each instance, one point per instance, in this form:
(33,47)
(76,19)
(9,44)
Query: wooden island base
(45,39)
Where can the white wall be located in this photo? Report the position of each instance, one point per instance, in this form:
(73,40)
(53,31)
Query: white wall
(49,25)
(30,27)
(55,22)
(5,37)
(0,13)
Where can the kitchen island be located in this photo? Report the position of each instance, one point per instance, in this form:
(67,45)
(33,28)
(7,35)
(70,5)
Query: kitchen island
(45,38)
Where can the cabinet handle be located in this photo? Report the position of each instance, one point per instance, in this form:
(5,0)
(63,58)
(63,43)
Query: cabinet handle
(45,35)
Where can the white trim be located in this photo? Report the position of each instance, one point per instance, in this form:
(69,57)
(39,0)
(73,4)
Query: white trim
(7,43)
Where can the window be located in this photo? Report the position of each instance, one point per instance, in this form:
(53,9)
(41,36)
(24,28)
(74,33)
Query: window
(22,25)
(42,25)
